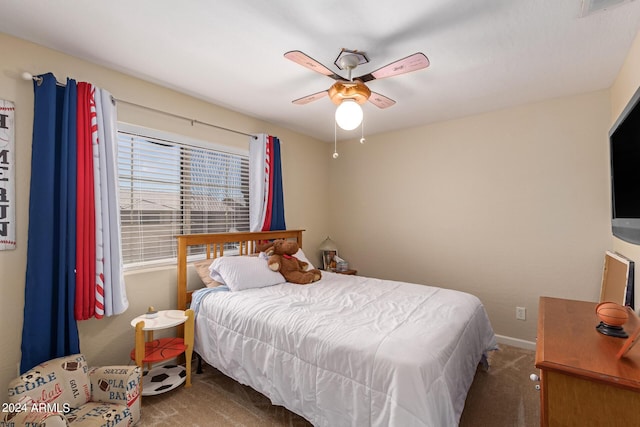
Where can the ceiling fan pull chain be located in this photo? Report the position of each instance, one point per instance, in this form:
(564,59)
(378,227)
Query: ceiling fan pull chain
(335,140)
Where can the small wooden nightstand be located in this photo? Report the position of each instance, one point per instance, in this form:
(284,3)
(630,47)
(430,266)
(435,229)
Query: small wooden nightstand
(349,272)
(149,351)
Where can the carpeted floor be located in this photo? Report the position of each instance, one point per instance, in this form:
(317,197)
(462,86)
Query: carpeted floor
(503,396)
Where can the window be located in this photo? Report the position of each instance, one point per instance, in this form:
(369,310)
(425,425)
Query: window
(171,185)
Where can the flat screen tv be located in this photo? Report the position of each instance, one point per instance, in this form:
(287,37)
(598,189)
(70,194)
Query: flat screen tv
(624,150)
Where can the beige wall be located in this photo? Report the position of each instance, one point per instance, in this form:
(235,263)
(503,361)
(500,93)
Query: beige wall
(110,340)
(508,206)
(622,90)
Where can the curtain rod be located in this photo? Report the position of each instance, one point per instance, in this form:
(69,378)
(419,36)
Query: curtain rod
(29,76)
(193,121)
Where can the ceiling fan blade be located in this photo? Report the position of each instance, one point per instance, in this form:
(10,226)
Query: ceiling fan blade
(310,98)
(414,62)
(306,61)
(381,101)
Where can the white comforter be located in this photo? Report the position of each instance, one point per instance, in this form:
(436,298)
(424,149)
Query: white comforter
(350,350)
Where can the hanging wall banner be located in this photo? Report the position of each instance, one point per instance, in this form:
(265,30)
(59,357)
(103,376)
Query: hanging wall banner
(7,177)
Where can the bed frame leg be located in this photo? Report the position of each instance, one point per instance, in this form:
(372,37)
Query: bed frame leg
(484,362)
(199,368)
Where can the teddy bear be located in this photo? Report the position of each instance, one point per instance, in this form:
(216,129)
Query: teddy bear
(281,258)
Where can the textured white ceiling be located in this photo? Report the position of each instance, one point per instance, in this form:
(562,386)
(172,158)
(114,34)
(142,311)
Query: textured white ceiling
(485,54)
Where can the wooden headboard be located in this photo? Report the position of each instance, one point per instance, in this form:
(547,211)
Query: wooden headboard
(214,247)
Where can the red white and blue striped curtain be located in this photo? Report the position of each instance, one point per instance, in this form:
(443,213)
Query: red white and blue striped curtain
(74,255)
(266,206)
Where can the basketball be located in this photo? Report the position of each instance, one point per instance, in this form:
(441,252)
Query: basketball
(612,314)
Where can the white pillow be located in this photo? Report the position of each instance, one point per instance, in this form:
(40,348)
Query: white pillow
(214,274)
(243,272)
(302,257)
(202,268)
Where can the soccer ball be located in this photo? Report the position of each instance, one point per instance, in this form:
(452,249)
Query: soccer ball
(31,376)
(110,414)
(162,378)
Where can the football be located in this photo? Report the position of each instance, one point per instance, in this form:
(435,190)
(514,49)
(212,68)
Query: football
(70,365)
(162,378)
(612,314)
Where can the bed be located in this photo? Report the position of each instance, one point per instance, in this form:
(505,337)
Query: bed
(346,350)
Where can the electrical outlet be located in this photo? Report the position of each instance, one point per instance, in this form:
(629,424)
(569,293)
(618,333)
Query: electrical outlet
(521,313)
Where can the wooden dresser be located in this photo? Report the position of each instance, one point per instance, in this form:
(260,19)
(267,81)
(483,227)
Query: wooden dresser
(582,382)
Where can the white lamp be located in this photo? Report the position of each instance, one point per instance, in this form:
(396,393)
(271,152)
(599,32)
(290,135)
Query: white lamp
(349,114)
(328,245)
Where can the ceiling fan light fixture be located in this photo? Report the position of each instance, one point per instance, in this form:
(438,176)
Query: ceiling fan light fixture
(355,90)
(349,114)
(349,94)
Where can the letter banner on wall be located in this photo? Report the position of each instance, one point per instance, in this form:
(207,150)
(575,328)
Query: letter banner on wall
(7,177)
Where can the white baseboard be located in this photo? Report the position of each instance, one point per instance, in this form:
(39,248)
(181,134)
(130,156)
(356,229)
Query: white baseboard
(516,342)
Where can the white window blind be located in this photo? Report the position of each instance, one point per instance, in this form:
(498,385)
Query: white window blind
(170,187)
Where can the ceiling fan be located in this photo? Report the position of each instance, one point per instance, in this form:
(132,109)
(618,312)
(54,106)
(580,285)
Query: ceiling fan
(355,88)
